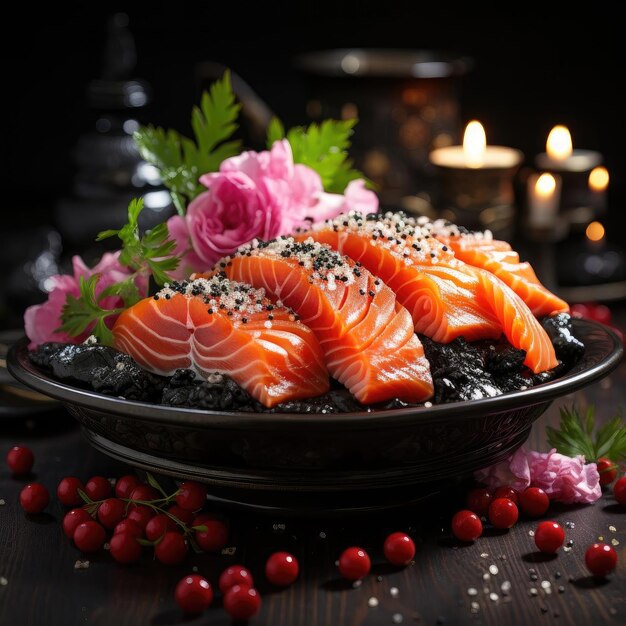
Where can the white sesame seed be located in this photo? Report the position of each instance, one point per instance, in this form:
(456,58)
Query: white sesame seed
(493,570)
(612,529)
(373,602)
(472,591)
(356,584)
(394,592)
(475,607)
(546,584)
(494,597)
(484,555)
(505,587)
(397,618)
(614,542)
(322,535)
(532,591)
(486,576)
(531,533)
(2,502)
(3,581)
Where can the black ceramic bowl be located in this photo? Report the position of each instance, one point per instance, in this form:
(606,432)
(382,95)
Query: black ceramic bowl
(264,455)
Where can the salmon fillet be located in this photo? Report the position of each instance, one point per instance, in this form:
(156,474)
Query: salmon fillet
(220,326)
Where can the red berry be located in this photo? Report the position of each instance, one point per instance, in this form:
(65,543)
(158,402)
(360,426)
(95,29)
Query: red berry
(601,313)
(89,536)
(158,525)
(607,470)
(235,575)
(503,513)
(129,527)
(193,594)
(549,537)
(191,496)
(125,548)
(111,512)
(399,549)
(125,485)
(354,563)
(281,569)
(145,493)
(72,519)
(466,526)
(506,492)
(619,490)
(600,559)
(98,488)
(215,537)
(34,498)
(181,514)
(478,500)
(67,491)
(141,514)
(242,602)
(171,549)
(534,502)
(20,460)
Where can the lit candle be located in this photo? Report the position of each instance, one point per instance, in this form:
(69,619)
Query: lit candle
(561,157)
(598,182)
(475,153)
(476,180)
(544,192)
(581,195)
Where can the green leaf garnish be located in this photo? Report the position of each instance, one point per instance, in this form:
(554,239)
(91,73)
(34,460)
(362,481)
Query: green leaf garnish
(322,147)
(152,253)
(85,312)
(577,434)
(180,160)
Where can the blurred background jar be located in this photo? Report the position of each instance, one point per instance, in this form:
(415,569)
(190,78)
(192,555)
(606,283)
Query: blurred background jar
(407,104)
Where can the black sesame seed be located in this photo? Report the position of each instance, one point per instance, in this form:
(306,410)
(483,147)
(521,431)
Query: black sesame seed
(371,293)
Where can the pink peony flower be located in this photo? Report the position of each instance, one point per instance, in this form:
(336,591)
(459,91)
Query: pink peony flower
(256,194)
(42,320)
(565,479)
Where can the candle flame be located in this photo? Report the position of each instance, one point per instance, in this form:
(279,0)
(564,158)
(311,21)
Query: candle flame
(474,144)
(595,231)
(559,144)
(598,178)
(545,185)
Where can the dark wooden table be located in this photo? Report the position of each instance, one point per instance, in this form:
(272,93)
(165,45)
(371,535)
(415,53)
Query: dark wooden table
(39,584)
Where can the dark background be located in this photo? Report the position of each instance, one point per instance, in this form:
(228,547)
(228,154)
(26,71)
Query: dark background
(530,72)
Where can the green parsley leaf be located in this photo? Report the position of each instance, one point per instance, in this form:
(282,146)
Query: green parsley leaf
(85,312)
(322,147)
(151,253)
(577,434)
(180,160)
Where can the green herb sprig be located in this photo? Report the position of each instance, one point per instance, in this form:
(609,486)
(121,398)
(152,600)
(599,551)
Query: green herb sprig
(147,255)
(180,160)
(578,434)
(322,147)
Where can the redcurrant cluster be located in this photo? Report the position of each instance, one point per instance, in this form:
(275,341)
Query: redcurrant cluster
(501,508)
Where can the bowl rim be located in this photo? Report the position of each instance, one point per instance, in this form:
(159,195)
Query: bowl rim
(580,375)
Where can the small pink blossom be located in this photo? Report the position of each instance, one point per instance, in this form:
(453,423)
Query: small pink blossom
(563,478)
(257,194)
(42,320)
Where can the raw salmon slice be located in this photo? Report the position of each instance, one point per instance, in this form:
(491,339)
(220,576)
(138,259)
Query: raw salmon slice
(366,335)
(481,250)
(219,326)
(446,297)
